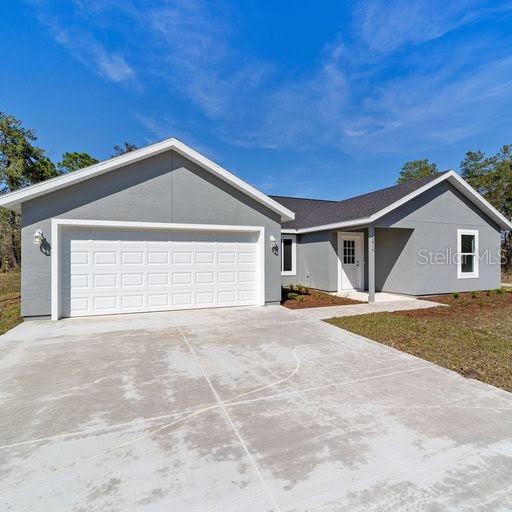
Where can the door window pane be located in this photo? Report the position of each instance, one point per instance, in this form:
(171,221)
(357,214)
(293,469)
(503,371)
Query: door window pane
(349,252)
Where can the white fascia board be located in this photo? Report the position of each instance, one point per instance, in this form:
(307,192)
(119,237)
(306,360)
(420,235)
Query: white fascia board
(478,200)
(408,197)
(459,183)
(234,181)
(14,199)
(18,196)
(153,225)
(462,186)
(325,227)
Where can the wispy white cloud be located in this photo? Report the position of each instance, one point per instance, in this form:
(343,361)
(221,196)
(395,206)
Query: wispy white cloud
(196,56)
(303,110)
(385,84)
(165,126)
(387,25)
(86,48)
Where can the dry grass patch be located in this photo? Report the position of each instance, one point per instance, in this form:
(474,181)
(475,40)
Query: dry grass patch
(473,336)
(9,301)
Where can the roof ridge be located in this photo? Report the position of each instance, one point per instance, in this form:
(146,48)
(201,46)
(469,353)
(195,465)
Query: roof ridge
(306,198)
(396,185)
(408,183)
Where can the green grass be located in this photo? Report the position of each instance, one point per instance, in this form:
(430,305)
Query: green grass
(9,301)
(473,336)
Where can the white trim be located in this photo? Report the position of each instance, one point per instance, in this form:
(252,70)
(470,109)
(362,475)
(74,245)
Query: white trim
(335,225)
(467,275)
(13,199)
(293,271)
(55,271)
(57,224)
(341,273)
(460,184)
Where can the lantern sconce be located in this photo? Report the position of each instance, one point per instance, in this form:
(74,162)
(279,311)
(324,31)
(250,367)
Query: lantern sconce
(273,241)
(38,238)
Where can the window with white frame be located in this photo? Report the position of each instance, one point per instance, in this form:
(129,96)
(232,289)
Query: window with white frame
(467,252)
(288,255)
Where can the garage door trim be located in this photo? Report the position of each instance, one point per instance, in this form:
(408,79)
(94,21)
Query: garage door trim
(59,224)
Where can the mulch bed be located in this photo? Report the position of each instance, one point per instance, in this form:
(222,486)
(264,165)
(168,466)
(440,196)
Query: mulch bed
(465,304)
(307,298)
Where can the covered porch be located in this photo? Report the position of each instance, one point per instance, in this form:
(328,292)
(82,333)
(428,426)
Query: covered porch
(376,264)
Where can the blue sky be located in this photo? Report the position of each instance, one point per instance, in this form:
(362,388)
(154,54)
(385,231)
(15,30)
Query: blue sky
(318,99)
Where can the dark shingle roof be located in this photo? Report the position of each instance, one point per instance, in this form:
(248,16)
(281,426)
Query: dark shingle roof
(318,212)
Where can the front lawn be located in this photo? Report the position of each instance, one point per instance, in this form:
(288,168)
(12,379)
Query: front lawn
(299,297)
(9,301)
(473,336)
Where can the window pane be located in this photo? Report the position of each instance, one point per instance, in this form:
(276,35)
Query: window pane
(286,245)
(467,243)
(467,263)
(349,252)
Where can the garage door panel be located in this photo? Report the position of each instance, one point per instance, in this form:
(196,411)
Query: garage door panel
(115,271)
(182,257)
(132,302)
(132,279)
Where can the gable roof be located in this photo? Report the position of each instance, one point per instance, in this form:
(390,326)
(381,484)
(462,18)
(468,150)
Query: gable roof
(316,215)
(14,199)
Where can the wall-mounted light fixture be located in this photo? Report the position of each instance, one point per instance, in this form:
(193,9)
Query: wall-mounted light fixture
(275,248)
(38,238)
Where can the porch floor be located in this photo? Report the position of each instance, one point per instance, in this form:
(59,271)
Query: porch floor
(379,296)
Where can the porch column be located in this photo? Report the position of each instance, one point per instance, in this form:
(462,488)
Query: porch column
(371,264)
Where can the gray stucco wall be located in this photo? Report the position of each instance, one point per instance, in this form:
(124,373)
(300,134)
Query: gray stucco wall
(395,261)
(164,188)
(435,217)
(317,261)
(428,223)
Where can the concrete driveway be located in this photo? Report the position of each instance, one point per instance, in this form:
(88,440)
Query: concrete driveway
(254,409)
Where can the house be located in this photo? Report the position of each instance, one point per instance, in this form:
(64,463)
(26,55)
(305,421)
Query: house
(430,236)
(164,228)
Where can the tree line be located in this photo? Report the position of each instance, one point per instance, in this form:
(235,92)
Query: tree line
(490,175)
(23,163)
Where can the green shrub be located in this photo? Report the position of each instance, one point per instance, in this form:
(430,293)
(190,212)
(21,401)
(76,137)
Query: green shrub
(301,298)
(455,295)
(293,296)
(499,291)
(474,294)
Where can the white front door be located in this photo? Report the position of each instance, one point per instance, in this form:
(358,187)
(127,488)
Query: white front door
(109,271)
(351,264)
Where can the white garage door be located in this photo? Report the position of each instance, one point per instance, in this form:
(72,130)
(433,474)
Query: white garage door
(107,271)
